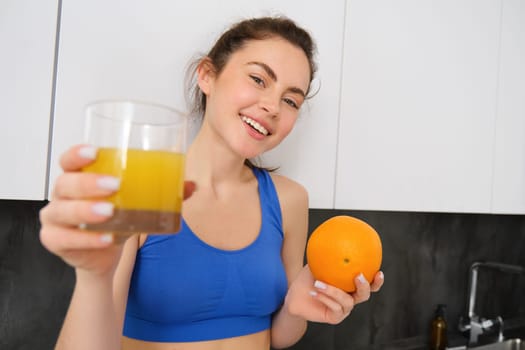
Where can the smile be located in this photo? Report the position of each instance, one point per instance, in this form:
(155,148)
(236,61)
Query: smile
(261,129)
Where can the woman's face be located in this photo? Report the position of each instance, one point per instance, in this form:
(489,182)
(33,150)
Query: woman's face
(255,100)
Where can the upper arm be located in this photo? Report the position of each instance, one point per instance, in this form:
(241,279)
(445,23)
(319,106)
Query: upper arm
(294,207)
(122,277)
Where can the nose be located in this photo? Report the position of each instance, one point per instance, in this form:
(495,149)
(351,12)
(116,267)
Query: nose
(270,104)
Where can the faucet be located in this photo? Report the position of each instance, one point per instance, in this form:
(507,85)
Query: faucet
(473,323)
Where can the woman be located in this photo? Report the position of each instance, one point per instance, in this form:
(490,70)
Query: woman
(233,277)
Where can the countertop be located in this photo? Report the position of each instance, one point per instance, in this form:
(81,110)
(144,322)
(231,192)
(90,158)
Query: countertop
(513,328)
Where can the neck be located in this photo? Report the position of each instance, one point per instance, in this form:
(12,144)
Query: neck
(210,162)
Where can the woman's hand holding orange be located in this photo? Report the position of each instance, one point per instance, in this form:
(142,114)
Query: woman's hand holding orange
(319,302)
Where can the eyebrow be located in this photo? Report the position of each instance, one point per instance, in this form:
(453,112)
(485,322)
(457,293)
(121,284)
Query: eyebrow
(273,76)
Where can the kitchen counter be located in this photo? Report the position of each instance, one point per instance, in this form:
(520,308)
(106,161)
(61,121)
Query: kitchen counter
(513,328)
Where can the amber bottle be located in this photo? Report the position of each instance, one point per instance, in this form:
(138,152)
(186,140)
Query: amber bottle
(438,331)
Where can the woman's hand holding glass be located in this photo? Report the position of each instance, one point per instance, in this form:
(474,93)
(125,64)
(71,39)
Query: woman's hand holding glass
(80,198)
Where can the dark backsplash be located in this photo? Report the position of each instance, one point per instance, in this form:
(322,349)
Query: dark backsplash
(426,261)
(426,258)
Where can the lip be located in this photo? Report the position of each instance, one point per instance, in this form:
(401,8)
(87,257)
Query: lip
(260,121)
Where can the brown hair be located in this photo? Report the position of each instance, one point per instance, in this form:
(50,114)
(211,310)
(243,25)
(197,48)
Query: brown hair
(235,38)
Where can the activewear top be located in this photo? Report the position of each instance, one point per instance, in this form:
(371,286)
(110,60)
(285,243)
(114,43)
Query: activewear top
(183,289)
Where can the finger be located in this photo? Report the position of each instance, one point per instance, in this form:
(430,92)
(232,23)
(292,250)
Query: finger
(362,292)
(378,281)
(60,239)
(343,301)
(78,157)
(84,185)
(335,313)
(75,212)
(189,188)
(339,312)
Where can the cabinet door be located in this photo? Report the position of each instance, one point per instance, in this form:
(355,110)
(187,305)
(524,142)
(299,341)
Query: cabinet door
(509,170)
(418,105)
(27,34)
(140,50)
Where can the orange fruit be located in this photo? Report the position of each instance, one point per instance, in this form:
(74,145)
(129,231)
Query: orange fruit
(341,248)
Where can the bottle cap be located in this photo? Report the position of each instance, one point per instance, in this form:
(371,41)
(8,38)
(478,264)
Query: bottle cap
(440,311)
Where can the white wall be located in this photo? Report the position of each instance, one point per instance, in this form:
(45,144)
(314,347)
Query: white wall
(27,35)
(141,50)
(420,106)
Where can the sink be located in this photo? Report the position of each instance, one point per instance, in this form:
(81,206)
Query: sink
(511,344)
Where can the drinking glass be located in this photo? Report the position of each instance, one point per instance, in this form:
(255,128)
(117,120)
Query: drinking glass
(143,144)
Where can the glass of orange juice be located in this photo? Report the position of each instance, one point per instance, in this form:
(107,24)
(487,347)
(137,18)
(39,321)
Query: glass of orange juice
(143,144)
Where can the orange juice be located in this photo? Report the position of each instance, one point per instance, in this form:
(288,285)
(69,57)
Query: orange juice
(150,196)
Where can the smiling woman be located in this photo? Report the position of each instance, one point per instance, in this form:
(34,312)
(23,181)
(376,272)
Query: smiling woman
(233,276)
(248,93)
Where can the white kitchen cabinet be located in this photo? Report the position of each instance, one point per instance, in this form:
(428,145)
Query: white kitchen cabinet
(140,50)
(27,34)
(418,106)
(508,190)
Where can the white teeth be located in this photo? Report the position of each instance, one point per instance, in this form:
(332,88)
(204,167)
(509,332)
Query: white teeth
(255,125)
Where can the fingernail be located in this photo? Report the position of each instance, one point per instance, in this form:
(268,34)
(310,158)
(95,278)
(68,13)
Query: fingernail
(108,183)
(313,293)
(106,238)
(102,208)
(88,152)
(320,285)
(381,275)
(361,278)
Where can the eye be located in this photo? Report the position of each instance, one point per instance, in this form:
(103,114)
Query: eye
(291,103)
(257,80)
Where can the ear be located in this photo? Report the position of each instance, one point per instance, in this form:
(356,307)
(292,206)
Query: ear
(205,75)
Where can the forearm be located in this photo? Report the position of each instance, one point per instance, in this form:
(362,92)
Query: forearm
(90,322)
(287,328)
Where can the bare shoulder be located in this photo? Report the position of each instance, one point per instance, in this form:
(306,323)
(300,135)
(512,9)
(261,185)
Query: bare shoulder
(290,192)
(293,199)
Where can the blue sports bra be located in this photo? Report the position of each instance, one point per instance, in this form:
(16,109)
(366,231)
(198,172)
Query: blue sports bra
(183,289)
